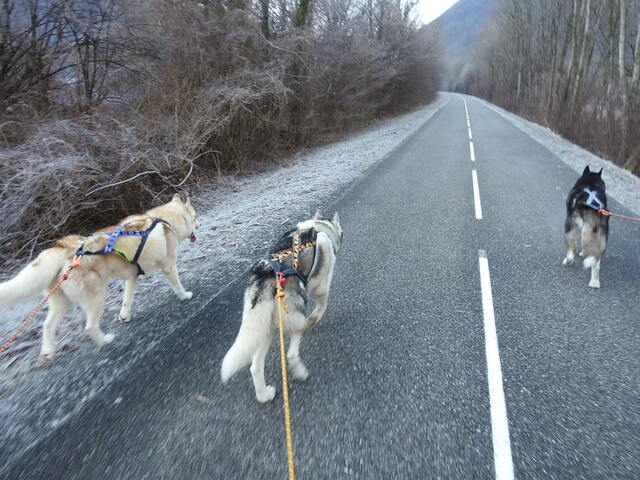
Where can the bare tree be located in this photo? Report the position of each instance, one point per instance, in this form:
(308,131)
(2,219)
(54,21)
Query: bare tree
(573,65)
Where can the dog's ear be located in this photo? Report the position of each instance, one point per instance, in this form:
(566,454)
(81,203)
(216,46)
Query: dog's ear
(317,215)
(586,170)
(336,219)
(600,172)
(177,198)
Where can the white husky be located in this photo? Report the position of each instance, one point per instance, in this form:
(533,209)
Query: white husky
(164,227)
(259,317)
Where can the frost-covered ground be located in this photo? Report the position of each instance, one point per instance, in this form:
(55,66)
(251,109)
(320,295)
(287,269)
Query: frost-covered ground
(240,216)
(235,211)
(621,184)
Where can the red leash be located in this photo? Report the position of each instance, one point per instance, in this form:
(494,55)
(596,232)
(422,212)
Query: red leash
(76,263)
(609,214)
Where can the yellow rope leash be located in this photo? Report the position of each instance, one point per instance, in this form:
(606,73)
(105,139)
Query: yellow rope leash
(285,389)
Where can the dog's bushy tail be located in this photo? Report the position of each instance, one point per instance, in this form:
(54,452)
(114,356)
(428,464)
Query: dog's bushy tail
(255,329)
(37,277)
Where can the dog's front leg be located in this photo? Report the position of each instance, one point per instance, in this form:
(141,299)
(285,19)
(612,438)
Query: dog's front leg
(129,291)
(93,305)
(171,274)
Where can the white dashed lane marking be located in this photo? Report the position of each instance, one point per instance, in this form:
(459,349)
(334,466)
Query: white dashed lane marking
(499,423)
(476,195)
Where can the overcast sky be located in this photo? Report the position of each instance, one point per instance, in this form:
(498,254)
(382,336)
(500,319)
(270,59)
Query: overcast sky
(432,9)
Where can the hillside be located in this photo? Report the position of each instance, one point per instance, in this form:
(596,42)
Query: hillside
(461,22)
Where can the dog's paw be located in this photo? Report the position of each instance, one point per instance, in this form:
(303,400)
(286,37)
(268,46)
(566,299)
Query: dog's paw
(108,338)
(300,373)
(187,296)
(124,317)
(267,395)
(594,283)
(46,358)
(567,261)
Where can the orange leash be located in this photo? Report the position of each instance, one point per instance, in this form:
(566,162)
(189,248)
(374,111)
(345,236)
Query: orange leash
(609,214)
(65,276)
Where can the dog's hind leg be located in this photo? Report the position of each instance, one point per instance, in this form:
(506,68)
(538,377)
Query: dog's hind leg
(320,308)
(264,392)
(171,274)
(298,370)
(594,244)
(93,305)
(595,271)
(571,236)
(127,301)
(595,275)
(58,305)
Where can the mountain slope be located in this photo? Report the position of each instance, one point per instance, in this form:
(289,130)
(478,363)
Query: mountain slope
(461,22)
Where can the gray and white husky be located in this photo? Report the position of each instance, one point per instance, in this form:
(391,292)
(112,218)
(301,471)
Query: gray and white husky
(259,316)
(584,227)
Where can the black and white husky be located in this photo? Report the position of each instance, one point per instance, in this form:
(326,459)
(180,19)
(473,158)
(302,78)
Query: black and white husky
(259,316)
(584,226)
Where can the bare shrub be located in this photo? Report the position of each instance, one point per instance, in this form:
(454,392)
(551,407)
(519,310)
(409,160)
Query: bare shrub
(78,173)
(143,98)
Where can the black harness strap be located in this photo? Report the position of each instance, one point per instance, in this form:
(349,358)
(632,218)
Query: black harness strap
(277,268)
(142,243)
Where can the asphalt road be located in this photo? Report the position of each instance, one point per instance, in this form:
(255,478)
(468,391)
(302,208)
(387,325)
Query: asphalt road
(399,384)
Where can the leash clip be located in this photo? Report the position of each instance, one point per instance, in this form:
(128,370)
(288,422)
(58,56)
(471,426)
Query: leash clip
(281,278)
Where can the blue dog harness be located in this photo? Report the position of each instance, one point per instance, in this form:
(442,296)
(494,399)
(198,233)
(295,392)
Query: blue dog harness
(592,200)
(119,232)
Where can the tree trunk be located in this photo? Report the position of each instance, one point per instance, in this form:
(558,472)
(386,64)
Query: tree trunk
(265,22)
(586,39)
(302,13)
(624,86)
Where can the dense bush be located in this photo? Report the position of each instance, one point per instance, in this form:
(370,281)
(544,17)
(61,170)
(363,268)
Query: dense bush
(110,105)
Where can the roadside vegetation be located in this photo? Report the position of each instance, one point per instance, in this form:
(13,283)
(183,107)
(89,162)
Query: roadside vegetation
(106,106)
(572,65)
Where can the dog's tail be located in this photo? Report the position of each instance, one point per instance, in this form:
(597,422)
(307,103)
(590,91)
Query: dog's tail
(37,277)
(256,328)
(589,262)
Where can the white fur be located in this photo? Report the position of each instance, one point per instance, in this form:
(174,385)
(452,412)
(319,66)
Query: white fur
(594,264)
(87,285)
(256,323)
(33,279)
(259,323)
